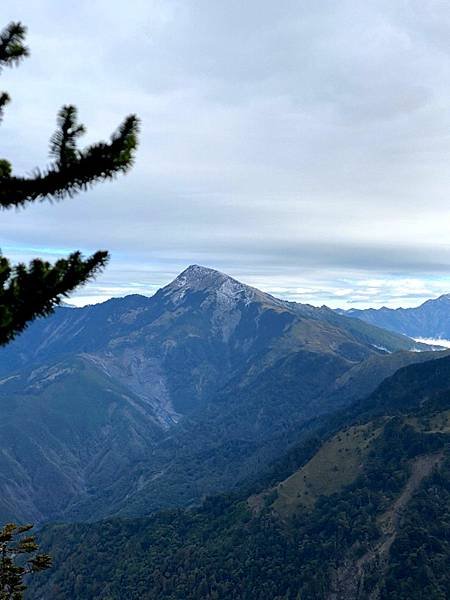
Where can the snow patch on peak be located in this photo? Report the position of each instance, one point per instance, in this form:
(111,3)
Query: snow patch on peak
(198,277)
(223,288)
(231,290)
(224,297)
(223,293)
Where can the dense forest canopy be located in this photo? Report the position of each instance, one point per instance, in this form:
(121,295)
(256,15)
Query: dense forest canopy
(385,532)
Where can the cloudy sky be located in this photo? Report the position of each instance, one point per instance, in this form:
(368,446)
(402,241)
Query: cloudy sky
(300,146)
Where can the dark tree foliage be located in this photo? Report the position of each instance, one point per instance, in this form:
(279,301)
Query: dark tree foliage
(420,556)
(224,551)
(18,557)
(30,291)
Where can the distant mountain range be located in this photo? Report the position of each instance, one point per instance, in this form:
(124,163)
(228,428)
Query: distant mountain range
(430,320)
(359,510)
(141,403)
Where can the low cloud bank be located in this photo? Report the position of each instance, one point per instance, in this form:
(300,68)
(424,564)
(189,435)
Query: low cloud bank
(434,341)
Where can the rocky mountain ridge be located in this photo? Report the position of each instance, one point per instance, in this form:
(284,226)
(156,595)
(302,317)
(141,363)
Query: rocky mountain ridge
(430,320)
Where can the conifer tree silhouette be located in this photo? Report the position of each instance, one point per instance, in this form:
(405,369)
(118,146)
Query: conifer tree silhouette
(33,290)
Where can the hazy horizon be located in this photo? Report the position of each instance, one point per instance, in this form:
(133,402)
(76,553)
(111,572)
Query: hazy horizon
(80,301)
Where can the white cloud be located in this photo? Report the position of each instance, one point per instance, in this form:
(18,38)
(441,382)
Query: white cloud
(303,145)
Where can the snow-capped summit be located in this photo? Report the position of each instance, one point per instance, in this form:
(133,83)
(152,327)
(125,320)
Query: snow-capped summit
(221,299)
(197,277)
(220,288)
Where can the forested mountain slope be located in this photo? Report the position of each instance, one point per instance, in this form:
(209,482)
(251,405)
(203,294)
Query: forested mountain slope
(141,403)
(360,510)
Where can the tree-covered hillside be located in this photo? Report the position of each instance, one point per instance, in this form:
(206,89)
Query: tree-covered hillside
(363,512)
(142,403)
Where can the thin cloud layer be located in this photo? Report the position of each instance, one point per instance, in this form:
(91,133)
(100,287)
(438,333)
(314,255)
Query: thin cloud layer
(303,146)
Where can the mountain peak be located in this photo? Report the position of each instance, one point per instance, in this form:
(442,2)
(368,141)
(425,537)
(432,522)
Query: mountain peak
(197,277)
(224,289)
(201,277)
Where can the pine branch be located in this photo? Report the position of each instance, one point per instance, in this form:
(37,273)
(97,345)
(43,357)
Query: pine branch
(13,569)
(74,170)
(5,168)
(63,143)
(4,100)
(27,292)
(12,48)
(12,51)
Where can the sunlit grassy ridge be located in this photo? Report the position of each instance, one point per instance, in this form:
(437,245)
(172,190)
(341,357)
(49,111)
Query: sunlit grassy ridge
(338,463)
